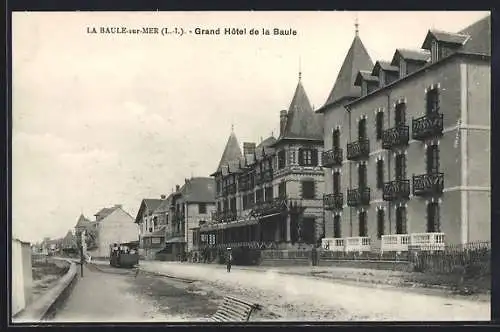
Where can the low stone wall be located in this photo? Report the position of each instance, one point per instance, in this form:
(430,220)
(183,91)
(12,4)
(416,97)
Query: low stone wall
(46,306)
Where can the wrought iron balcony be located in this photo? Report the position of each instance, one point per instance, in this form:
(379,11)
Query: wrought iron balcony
(427,126)
(358,150)
(394,190)
(358,196)
(224,216)
(276,205)
(395,137)
(428,184)
(333,157)
(333,201)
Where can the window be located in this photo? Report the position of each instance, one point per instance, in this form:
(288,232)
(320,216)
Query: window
(308,190)
(362,224)
(155,240)
(401,220)
(336,139)
(435,51)
(244,199)
(379,124)
(380,223)
(400,166)
(362,129)
(308,157)
(402,68)
(380,174)
(362,176)
(433,225)
(259,196)
(336,182)
(282,189)
(291,157)
(400,114)
(202,208)
(337,231)
(269,194)
(281,159)
(432,159)
(233,204)
(432,101)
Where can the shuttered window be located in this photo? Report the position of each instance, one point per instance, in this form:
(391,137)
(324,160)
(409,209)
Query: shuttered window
(308,189)
(282,189)
(432,101)
(380,223)
(362,176)
(401,220)
(400,114)
(281,159)
(336,139)
(380,174)
(363,227)
(337,231)
(362,129)
(336,182)
(432,159)
(379,124)
(400,167)
(433,222)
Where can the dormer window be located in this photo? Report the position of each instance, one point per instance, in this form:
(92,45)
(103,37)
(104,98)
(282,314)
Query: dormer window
(402,68)
(435,51)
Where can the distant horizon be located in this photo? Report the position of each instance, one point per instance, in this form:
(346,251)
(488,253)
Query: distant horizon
(104,119)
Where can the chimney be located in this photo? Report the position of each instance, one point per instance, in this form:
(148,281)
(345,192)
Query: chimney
(177,187)
(248,148)
(283,117)
(118,205)
(163,196)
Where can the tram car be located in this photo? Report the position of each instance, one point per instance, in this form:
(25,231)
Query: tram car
(123,256)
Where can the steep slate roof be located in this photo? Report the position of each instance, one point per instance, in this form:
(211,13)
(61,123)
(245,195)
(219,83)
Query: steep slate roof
(82,221)
(364,75)
(199,190)
(164,205)
(412,55)
(480,36)
(150,203)
(231,152)
(357,59)
(384,65)
(302,122)
(442,36)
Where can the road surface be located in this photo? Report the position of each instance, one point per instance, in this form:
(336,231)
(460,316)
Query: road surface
(295,297)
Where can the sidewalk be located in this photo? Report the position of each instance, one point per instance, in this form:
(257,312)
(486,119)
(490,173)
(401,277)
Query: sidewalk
(99,297)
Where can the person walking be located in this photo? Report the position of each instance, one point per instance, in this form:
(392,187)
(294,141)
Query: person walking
(229,259)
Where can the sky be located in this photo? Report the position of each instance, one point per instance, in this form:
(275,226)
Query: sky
(104,119)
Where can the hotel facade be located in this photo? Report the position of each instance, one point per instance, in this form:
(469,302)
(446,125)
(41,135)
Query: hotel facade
(407,146)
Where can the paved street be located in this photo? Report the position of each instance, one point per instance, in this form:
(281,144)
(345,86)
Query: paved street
(295,297)
(116,295)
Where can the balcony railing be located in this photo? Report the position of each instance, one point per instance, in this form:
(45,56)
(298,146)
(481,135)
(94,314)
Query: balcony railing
(333,201)
(333,157)
(394,190)
(276,205)
(333,244)
(224,216)
(358,150)
(359,243)
(358,196)
(395,242)
(427,126)
(422,241)
(428,184)
(428,241)
(395,137)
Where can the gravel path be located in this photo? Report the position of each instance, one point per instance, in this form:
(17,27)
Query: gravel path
(295,297)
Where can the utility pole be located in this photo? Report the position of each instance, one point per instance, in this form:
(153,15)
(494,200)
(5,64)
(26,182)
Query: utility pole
(82,259)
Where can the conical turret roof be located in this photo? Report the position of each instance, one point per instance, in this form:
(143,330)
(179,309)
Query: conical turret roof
(302,122)
(357,59)
(232,151)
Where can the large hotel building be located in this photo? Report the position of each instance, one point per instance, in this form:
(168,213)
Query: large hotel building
(407,145)
(398,156)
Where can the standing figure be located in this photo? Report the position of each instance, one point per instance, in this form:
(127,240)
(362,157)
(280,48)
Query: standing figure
(229,259)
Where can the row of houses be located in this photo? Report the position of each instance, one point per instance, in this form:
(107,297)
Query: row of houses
(398,156)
